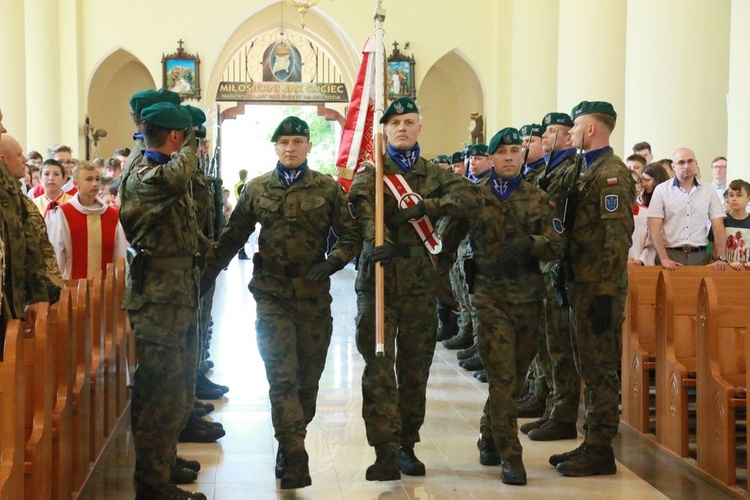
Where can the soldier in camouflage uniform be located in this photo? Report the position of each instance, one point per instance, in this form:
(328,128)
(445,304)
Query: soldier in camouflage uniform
(531,135)
(394,406)
(597,285)
(295,207)
(23,276)
(161,293)
(508,239)
(555,348)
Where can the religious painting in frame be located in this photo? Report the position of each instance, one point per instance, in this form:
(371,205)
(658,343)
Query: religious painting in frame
(181,73)
(400,77)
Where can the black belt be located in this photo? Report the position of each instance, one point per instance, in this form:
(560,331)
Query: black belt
(290,271)
(504,271)
(687,249)
(171,263)
(406,251)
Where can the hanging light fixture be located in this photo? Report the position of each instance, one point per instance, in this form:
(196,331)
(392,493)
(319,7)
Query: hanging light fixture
(302,7)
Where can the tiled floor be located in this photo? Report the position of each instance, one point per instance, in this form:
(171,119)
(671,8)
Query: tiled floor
(240,465)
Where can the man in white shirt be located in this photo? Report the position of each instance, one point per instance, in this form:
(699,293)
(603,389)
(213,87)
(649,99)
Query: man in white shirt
(678,215)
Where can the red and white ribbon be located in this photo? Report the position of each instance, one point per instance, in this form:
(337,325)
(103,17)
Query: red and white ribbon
(408,198)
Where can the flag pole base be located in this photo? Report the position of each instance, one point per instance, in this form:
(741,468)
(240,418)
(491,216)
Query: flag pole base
(380,350)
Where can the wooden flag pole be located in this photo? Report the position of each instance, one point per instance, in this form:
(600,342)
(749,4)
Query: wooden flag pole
(379,185)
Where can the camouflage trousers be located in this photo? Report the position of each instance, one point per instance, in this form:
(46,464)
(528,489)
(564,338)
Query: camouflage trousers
(467,320)
(507,343)
(293,336)
(163,385)
(559,369)
(393,406)
(597,358)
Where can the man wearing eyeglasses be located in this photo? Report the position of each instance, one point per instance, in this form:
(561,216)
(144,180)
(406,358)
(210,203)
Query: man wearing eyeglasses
(678,215)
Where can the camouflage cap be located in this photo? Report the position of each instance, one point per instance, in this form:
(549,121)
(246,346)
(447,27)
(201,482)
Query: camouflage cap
(291,125)
(457,157)
(507,136)
(400,106)
(145,98)
(197,115)
(557,119)
(167,115)
(588,107)
(477,150)
(531,129)
(442,159)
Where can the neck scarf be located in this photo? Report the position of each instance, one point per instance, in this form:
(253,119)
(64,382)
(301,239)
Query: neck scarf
(589,157)
(290,175)
(477,178)
(157,157)
(405,159)
(502,188)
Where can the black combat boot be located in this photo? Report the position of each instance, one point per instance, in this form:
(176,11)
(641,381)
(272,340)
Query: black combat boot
(552,430)
(188,464)
(528,426)
(198,430)
(409,463)
(386,466)
(165,491)
(559,458)
(480,375)
(488,453)
(513,471)
(447,323)
(591,461)
(531,407)
(472,364)
(280,462)
(207,407)
(467,353)
(296,471)
(182,475)
(462,340)
(204,382)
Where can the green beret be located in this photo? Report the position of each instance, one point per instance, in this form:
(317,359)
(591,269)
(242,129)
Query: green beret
(400,106)
(442,159)
(588,107)
(196,114)
(167,115)
(531,129)
(557,119)
(145,98)
(291,125)
(477,150)
(507,135)
(457,157)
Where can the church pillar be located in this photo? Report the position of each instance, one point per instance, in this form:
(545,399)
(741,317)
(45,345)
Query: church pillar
(13,81)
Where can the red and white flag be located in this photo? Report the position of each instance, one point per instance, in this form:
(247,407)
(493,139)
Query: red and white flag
(357,139)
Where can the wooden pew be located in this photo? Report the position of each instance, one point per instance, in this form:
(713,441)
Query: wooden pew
(121,338)
(676,355)
(110,362)
(61,361)
(722,382)
(96,369)
(38,413)
(81,390)
(639,346)
(12,390)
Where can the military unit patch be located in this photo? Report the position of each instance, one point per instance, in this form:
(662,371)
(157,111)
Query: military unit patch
(398,107)
(612,181)
(611,202)
(557,224)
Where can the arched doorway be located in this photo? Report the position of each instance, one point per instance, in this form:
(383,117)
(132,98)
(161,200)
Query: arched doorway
(117,78)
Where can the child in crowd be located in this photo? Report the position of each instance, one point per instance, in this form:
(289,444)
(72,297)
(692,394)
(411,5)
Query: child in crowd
(104,195)
(53,178)
(85,232)
(737,225)
(114,192)
(36,174)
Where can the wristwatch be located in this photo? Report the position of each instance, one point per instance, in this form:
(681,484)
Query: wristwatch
(721,258)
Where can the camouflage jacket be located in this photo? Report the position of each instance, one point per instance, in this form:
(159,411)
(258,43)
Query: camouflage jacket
(158,216)
(443,192)
(525,213)
(201,192)
(602,235)
(294,224)
(24,280)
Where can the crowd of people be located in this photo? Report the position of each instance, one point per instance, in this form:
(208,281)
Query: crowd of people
(514,252)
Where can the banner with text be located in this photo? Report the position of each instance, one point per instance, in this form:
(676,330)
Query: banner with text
(282,92)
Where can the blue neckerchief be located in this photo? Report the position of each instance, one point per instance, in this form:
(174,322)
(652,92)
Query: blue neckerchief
(531,166)
(559,157)
(589,157)
(137,135)
(290,175)
(404,159)
(503,187)
(476,178)
(157,157)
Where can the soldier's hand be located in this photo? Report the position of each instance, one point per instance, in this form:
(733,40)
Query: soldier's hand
(600,313)
(321,271)
(515,249)
(206,285)
(383,253)
(414,212)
